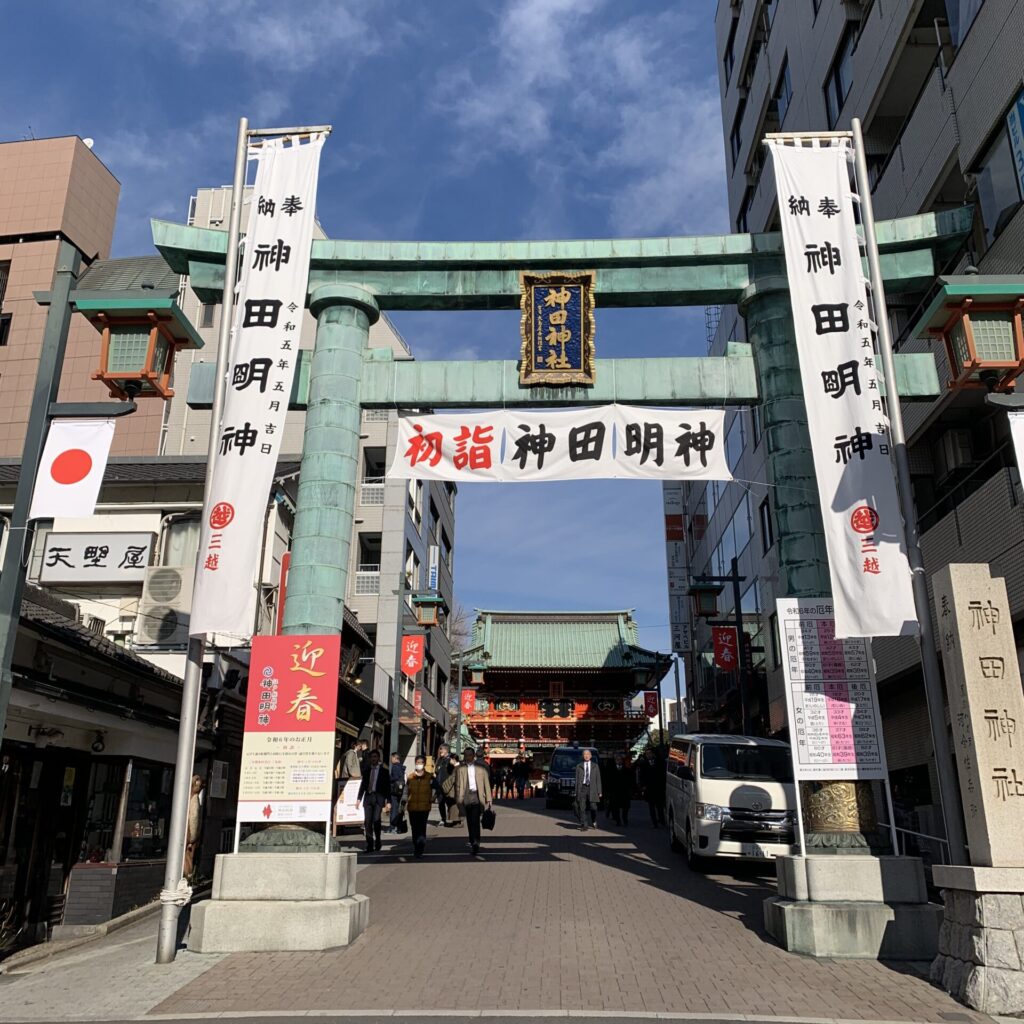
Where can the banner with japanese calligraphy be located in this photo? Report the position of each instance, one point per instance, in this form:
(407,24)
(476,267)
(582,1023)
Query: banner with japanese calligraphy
(291,709)
(849,428)
(270,303)
(1016,418)
(603,442)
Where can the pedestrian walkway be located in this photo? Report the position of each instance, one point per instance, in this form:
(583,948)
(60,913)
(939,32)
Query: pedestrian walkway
(548,918)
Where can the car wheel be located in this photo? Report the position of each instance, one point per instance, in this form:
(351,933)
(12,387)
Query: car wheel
(693,861)
(673,839)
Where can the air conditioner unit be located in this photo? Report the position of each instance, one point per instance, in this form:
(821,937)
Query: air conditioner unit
(95,625)
(953,452)
(165,606)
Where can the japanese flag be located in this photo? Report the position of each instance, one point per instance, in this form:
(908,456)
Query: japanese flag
(71,471)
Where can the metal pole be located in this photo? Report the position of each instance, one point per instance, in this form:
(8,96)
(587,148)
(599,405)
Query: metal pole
(167,938)
(51,361)
(679,695)
(458,719)
(948,784)
(741,670)
(661,721)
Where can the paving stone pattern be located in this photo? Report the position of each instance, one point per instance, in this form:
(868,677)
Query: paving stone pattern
(550,918)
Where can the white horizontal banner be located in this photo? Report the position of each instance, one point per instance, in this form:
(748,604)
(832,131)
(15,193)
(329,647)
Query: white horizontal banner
(603,442)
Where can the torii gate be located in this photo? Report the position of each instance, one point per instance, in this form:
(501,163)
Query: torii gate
(351,283)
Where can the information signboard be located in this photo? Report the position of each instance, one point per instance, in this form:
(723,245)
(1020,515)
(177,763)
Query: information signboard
(835,728)
(290,715)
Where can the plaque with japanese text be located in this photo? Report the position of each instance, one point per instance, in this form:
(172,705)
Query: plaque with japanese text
(557,329)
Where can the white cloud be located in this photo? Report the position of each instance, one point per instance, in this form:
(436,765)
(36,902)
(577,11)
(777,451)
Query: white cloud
(290,37)
(599,100)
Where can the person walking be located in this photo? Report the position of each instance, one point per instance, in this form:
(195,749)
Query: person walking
(472,796)
(352,764)
(397,776)
(650,776)
(521,775)
(419,796)
(442,767)
(374,798)
(588,790)
(619,791)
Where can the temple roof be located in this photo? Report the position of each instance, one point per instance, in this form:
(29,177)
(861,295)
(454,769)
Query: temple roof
(562,640)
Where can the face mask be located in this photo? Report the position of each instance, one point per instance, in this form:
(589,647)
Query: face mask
(419,769)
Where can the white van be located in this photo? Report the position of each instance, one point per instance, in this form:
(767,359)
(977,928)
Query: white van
(730,796)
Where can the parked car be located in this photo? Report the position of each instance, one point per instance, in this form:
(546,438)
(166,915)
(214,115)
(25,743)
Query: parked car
(560,780)
(730,796)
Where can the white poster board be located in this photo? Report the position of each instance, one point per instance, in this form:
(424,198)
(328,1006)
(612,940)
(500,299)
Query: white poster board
(345,810)
(835,729)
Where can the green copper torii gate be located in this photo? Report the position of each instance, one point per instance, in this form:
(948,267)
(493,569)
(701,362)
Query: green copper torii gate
(350,283)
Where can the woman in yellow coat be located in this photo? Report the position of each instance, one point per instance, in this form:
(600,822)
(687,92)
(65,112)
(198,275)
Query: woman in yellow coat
(420,795)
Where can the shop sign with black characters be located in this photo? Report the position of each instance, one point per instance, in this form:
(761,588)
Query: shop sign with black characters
(609,441)
(557,329)
(849,427)
(264,351)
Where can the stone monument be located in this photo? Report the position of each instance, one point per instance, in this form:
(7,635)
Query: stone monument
(981,942)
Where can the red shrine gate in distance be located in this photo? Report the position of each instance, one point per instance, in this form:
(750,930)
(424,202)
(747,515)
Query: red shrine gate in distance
(557,678)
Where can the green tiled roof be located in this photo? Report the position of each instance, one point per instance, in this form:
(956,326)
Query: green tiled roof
(562,640)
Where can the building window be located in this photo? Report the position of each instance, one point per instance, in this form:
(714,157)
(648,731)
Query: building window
(206,314)
(446,549)
(998,190)
(734,441)
(767,529)
(181,541)
(840,76)
(5,318)
(736,137)
(741,217)
(783,92)
(728,60)
(773,623)
(960,14)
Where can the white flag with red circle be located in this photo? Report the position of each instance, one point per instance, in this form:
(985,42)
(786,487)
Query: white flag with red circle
(71,472)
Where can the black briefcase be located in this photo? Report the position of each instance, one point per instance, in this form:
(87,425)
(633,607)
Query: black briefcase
(488,818)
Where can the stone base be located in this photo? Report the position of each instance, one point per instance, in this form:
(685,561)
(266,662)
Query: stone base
(981,942)
(265,902)
(871,907)
(263,926)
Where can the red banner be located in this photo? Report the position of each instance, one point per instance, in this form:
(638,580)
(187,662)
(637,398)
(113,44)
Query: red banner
(290,716)
(412,653)
(651,703)
(723,640)
(468,702)
(417,702)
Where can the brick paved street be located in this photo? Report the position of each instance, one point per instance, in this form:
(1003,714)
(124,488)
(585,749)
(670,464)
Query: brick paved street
(557,920)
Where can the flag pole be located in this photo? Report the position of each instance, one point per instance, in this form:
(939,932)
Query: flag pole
(176,892)
(935,699)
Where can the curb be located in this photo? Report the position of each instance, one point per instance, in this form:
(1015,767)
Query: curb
(47,950)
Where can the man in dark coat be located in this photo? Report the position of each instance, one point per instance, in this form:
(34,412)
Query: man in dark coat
(588,791)
(650,776)
(375,798)
(442,766)
(619,791)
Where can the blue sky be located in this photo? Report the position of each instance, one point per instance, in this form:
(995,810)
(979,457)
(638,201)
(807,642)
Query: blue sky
(452,120)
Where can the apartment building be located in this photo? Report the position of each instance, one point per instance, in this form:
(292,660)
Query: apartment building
(936,84)
(53,190)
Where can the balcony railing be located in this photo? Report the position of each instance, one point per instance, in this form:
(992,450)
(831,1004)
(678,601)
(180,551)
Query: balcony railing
(371,490)
(367,579)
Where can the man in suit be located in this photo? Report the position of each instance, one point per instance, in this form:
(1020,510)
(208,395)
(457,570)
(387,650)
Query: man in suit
(472,795)
(588,790)
(375,798)
(442,766)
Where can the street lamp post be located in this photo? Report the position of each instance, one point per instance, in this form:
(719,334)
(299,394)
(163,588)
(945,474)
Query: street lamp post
(44,409)
(705,586)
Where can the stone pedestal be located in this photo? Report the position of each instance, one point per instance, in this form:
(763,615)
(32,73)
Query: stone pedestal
(981,942)
(853,906)
(268,902)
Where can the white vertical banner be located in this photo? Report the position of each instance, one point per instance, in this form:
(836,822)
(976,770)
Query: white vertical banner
(1016,419)
(864,533)
(271,300)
